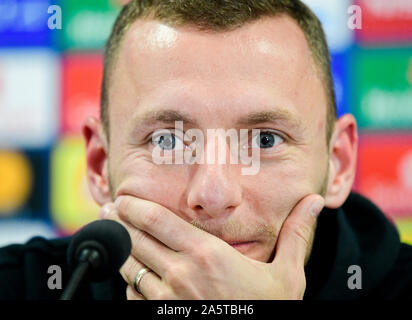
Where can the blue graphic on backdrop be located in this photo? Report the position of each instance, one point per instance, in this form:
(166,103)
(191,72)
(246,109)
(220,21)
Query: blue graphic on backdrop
(24,23)
(339,73)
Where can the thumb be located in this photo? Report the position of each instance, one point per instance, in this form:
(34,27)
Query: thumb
(296,232)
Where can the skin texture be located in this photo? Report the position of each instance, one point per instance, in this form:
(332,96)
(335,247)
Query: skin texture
(219,80)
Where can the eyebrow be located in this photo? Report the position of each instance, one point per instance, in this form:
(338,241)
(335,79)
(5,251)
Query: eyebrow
(169,116)
(164,116)
(271,116)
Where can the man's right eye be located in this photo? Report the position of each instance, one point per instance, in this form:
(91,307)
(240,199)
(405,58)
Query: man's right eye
(167,141)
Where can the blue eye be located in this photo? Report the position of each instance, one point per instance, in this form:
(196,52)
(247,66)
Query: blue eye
(167,141)
(266,140)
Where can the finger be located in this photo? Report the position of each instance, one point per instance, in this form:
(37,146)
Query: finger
(297,230)
(145,248)
(160,222)
(106,210)
(131,294)
(150,284)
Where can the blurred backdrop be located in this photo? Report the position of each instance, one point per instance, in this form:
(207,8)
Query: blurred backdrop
(50,81)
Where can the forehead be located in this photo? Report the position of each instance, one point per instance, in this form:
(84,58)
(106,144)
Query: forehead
(268,61)
(245,49)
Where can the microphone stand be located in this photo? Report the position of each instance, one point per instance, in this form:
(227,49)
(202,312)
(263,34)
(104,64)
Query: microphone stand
(87,258)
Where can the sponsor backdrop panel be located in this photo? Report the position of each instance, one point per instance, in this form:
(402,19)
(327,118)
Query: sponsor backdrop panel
(71,203)
(382,86)
(87,23)
(50,81)
(385,171)
(385,22)
(25,23)
(29,89)
(81,79)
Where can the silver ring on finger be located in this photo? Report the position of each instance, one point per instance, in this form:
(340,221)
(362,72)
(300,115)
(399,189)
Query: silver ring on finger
(139,277)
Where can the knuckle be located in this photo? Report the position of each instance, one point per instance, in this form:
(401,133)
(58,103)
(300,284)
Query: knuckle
(175,275)
(191,247)
(205,257)
(140,237)
(130,269)
(150,217)
(301,231)
(124,206)
(162,295)
(201,255)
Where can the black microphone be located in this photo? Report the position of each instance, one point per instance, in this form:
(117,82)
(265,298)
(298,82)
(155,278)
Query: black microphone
(95,252)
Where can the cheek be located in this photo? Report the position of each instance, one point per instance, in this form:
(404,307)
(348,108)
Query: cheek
(272,195)
(276,190)
(143,179)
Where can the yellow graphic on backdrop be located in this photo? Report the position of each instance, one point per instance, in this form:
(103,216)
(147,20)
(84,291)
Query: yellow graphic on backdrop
(16,179)
(71,203)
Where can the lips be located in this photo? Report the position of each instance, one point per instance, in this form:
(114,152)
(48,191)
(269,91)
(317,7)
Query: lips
(241,246)
(233,242)
(239,243)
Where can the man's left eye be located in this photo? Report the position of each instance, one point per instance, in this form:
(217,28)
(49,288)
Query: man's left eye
(266,140)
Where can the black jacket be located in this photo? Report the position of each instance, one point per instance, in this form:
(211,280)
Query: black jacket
(356,234)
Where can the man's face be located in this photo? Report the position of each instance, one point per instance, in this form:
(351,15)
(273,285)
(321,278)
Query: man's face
(260,76)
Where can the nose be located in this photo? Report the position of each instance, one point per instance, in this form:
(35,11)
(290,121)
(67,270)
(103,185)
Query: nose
(214,189)
(213,192)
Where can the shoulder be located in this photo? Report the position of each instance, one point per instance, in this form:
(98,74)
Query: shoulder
(24,267)
(398,282)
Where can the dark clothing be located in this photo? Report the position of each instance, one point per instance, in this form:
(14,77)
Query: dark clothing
(355,234)
(358,234)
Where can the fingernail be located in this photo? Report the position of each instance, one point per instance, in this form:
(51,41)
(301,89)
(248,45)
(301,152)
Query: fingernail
(106,210)
(118,200)
(317,207)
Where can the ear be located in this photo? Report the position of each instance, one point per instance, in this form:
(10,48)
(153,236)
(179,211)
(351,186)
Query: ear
(342,161)
(97,160)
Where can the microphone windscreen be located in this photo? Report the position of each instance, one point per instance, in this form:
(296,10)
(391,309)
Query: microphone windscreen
(108,237)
